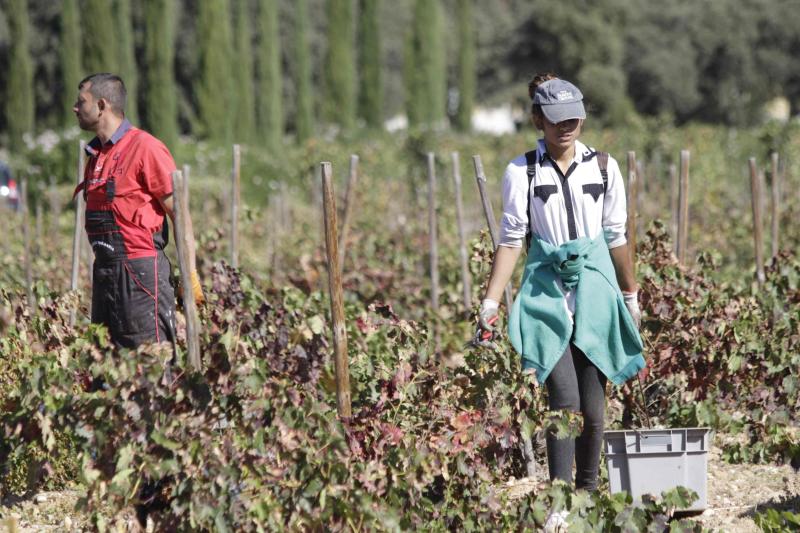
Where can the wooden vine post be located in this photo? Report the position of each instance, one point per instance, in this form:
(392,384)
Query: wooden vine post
(341,363)
(526,445)
(432,233)
(462,244)
(26,236)
(683,208)
(480,177)
(39,226)
(673,205)
(235,200)
(183,240)
(756,180)
(776,204)
(633,200)
(349,200)
(77,235)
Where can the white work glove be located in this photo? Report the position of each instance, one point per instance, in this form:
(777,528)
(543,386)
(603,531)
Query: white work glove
(487,317)
(632,303)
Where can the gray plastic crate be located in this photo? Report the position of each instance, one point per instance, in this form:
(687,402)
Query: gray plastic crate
(650,461)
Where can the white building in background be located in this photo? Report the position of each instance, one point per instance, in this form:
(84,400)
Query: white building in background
(778,109)
(496,120)
(500,120)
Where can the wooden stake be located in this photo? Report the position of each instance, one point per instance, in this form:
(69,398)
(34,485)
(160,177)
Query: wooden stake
(432,233)
(462,241)
(235,199)
(641,182)
(776,204)
(341,363)
(633,200)
(349,200)
(77,236)
(54,205)
(480,177)
(756,180)
(683,201)
(187,174)
(26,236)
(183,239)
(39,226)
(673,205)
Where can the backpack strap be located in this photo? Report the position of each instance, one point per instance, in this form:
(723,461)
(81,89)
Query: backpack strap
(530,160)
(602,162)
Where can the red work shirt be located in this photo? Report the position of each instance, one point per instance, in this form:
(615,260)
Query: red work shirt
(140,167)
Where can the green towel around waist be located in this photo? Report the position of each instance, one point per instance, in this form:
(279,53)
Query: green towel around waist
(539,326)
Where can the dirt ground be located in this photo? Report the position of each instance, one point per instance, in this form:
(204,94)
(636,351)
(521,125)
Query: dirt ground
(735,493)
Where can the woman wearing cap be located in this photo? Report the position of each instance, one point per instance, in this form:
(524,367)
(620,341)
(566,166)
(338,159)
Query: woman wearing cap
(575,319)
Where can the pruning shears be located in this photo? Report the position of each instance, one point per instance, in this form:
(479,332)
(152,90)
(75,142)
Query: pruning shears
(483,337)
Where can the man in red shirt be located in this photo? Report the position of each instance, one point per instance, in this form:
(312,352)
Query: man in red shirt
(128,188)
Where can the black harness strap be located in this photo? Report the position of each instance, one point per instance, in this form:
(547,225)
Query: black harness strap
(530,160)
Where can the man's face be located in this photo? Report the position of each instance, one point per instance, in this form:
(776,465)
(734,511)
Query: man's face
(86,109)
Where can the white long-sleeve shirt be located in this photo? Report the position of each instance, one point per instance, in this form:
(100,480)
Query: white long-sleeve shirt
(563,207)
(551,192)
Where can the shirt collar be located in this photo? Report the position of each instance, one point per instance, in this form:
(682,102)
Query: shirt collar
(581,152)
(94,145)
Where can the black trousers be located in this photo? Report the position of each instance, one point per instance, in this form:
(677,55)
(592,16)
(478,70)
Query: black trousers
(575,384)
(134,299)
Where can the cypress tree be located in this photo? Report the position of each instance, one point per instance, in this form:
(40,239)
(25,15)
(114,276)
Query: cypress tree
(438,68)
(127,60)
(215,86)
(369,48)
(340,64)
(243,73)
(466,66)
(70,52)
(160,104)
(270,86)
(19,91)
(413,100)
(426,66)
(99,41)
(304,118)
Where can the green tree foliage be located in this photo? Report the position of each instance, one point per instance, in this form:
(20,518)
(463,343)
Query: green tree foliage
(581,45)
(270,86)
(714,61)
(99,38)
(370,65)
(426,66)
(70,56)
(244,128)
(160,94)
(413,102)
(467,79)
(215,83)
(714,66)
(127,61)
(19,91)
(301,54)
(340,64)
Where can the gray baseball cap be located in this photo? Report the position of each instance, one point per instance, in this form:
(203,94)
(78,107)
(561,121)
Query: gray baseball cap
(560,100)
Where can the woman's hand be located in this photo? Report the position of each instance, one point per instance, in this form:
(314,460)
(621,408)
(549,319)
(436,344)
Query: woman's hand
(632,303)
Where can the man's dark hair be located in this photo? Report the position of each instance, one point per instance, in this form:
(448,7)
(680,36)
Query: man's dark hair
(109,87)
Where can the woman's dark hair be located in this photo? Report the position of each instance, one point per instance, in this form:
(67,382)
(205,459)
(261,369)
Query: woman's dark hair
(537,80)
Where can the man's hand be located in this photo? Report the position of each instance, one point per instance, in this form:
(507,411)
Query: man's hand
(632,303)
(197,289)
